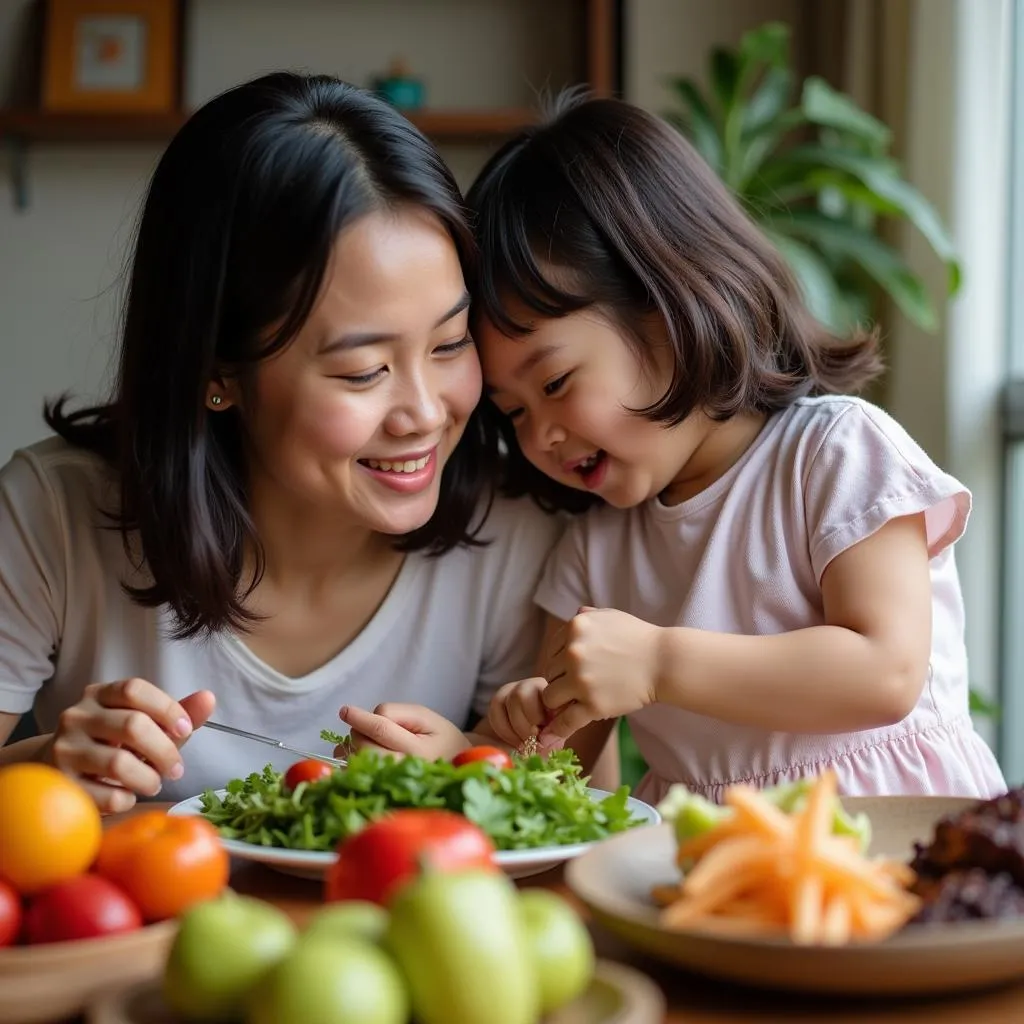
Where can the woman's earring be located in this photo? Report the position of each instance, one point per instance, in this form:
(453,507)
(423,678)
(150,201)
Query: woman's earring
(216,400)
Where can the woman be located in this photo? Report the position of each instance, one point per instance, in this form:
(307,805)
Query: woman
(283,509)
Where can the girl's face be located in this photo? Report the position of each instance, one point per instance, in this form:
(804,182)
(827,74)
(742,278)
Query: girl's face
(358,415)
(568,387)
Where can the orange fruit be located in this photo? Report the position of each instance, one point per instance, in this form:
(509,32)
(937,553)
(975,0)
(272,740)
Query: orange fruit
(50,828)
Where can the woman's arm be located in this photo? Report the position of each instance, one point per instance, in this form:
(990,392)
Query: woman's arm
(865,668)
(23,750)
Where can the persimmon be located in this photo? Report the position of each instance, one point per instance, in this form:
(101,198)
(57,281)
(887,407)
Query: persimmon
(165,863)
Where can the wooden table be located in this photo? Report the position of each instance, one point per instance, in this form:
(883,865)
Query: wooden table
(691,998)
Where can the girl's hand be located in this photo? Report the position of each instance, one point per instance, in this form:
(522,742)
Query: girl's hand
(517,711)
(123,739)
(404,729)
(607,667)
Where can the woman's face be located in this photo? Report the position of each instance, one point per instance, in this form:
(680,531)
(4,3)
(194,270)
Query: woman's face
(359,414)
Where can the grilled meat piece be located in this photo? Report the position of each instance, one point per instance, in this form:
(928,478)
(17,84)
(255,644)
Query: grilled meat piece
(968,895)
(974,866)
(989,835)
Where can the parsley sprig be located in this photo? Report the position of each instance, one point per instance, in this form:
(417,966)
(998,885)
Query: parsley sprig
(540,801)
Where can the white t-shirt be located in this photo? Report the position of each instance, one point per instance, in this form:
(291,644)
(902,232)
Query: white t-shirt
(746,556)
(450,631)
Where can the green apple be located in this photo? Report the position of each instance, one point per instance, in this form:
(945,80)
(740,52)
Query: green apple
(357,919)
(330,980)
(460,942)
(222,947)
(563,952)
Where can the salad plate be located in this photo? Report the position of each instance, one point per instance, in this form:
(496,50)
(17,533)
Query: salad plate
(515,863)
(617,880)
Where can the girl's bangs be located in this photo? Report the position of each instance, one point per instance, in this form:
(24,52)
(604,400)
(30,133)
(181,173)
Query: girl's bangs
(511,277)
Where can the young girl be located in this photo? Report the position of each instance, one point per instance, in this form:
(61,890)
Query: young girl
(764,580)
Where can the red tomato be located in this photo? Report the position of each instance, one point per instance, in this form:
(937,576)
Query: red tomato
(85,907)
(493,755)
(374,863)
(10,915)
(306,771)
(165,863)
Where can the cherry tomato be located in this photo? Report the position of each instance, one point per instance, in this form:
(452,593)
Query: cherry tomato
(374,863)
(493,755)
(306,771)
(85,907)
(10,915)
(164,862)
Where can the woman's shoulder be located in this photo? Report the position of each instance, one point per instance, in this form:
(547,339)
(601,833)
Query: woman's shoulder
(51,471)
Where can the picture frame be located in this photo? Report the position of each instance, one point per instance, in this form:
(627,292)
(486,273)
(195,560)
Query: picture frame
(111,56)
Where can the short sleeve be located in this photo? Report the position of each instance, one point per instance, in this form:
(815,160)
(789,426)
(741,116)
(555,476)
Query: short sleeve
(564,586)
(867,471)
(31,582)
(522,537)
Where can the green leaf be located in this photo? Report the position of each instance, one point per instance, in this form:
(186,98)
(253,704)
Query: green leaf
(698,123)
(766,44)
(768,101)
(823,105)
(817,283)
(879,177)
(980,705)
(725,79)
(879,261)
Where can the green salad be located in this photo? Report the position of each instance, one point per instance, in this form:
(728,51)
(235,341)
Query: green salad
(539,801)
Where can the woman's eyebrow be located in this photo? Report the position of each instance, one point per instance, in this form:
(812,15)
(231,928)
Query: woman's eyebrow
(359,339)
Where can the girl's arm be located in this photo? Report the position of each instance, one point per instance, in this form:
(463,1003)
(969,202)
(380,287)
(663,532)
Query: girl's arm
(865,668)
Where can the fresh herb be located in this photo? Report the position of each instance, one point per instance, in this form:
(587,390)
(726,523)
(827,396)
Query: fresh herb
(540,801)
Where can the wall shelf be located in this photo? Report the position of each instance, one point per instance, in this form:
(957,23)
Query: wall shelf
(20,128)
(26,125)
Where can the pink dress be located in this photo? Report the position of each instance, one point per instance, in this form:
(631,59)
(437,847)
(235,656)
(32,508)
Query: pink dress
(746,556)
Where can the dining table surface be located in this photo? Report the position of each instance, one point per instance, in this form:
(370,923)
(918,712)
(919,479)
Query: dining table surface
(690,998)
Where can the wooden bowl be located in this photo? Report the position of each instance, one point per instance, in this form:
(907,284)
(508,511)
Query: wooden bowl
(54,981)
(617,995)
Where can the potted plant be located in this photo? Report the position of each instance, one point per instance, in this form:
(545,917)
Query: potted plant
(814,170)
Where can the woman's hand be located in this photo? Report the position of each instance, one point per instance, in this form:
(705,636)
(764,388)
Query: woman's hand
(404,729)
(607,667)
(123,739)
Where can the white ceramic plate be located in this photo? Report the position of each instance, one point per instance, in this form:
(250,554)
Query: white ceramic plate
(615,880)
(515,863)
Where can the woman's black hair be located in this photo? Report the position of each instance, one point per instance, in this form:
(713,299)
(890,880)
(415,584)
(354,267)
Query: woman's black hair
(604,205)
(235,236)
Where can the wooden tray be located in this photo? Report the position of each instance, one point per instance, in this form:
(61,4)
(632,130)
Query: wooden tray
(617,995)
(41,984)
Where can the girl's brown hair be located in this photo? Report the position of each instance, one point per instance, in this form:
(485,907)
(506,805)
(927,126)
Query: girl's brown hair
(610,201)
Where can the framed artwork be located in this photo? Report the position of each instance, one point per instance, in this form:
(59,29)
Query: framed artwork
(111,56)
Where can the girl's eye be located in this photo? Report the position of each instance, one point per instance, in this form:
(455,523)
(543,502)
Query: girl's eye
(455,346)
(365,378)
(554,386)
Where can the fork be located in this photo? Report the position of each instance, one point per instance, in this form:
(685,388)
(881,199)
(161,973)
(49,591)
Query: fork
(271,742)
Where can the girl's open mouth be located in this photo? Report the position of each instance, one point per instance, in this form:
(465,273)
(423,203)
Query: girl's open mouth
(592,469)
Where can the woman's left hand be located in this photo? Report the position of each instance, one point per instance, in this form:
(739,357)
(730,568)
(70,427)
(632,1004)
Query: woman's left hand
(404,729)
(607,667)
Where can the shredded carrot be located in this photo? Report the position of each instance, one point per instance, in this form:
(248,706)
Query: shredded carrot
(762,872)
